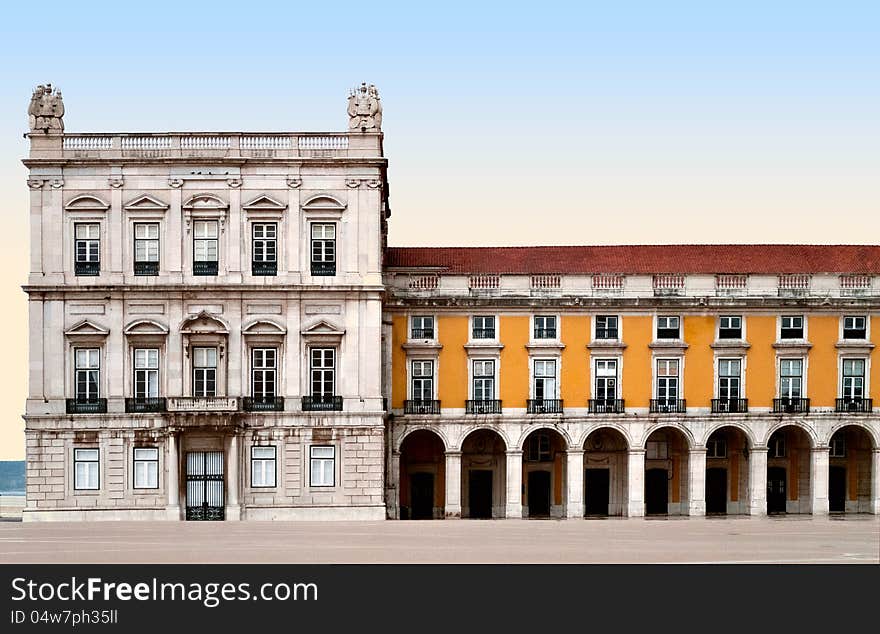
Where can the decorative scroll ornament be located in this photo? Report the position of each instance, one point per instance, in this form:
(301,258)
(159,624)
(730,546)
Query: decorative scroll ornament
(364,109)
(46,111)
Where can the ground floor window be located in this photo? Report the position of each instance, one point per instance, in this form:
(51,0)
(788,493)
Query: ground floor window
(262,466)
(322,465)
(86,470)
(146,468)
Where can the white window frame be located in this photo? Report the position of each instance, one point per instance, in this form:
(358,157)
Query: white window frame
(89,241)
(91,467)
(412,326)
(319,237)
(87,369)
(837,444)
(720,327)
(260,244)
(556,324)
(774,443)
(619,326)
(657,450)
(321,471)
(679,384)
(322,368)
(196,350)
(264,466)
(802,376)
(866,327)
(145,470)
(474,377)
(780,327)
(264,369)
(843,376)
(473,327)
(554,378)
(667,318)
(414,376)
(148,241)
(716,447)
(739,377)
(205,241)
(596,376)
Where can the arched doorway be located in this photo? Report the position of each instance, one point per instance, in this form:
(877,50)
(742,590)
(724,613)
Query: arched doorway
(544,474)
(849,470)
(727,472)
(422,476)
(788,471)
(605,464)
(666,472)
(483,475)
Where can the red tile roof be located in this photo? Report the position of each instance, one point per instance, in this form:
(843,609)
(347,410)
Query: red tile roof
(644,259)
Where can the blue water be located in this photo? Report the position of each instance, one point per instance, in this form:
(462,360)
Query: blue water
(11,493)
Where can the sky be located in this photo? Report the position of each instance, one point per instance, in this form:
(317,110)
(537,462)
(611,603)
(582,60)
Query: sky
(507,124)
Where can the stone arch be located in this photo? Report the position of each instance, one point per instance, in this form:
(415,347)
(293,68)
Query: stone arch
(422,474)
(810,432)
(528,431)
(606,425)
(410,429)
(872,434)
(473,428)
(323,202)
(483,476)
(745,429)
(688,435)
(605,470)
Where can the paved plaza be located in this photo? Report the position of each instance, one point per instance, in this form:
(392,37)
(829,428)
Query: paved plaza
(854,539)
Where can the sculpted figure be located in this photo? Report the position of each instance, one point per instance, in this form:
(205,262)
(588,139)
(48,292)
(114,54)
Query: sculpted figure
(46,110)
(364,108)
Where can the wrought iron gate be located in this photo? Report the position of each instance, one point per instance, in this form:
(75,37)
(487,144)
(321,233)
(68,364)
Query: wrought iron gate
(205,497)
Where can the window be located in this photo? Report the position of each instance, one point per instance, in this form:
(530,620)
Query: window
(545,327)
(484,380)
(88,372)
(422,327)
(606,327)
(323,249)
(668,327)
(146,248)
(265,249)
(264,362)
(262,466)
(853,380)
(656,450)
(791,327)
(730,327)
(716,448)
(838,445)
(483,327)
(855,328)
(87,248)
(606,379)
(791,373)
(146,468)
(545,379)
(323,371)
(667,379)
(538,448)
(86,470)
(729,379)
(323,466)
(146,373)
(204,372)
(776,446)
(422,380)
(205,249)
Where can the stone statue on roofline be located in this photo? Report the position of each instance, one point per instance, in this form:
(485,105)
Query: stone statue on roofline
(46,111)
(364,109)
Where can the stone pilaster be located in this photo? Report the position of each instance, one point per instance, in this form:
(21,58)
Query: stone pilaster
(513,498)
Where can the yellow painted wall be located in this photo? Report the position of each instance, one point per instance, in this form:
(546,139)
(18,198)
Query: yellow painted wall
(453,371)
(575,376)
(875,361)
(398,361)
(514,375)
(699,360)
(822,332)
(637,374)
(761,360)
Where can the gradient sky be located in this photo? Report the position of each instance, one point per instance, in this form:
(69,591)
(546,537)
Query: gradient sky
(626,122)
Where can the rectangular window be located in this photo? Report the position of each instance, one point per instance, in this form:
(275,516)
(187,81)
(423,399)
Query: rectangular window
(264,362)
(146,373)
(422,327)
(656,450)
(853,388)
(791,373)
(323,249)
(606,379)
(791,327)
(667,379)
(265,248)
(545,327)
(146,248)
(483,327)
(86,470)
(262,466)
(323,371)
(545,379)
(205,247)
(146,468)
(87,248)
(538,448)
(776,446)
(484,380)
(716,448)
(855,328)
(606,327)
(729,378)
(838,445)
(87,374)
(423,380)
(668,327)
(730,327)
(322,466)
(204,372)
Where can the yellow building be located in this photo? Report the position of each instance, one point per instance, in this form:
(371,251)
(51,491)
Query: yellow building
(632,380)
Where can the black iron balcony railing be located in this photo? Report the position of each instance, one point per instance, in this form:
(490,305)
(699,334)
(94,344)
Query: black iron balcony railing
(142,405)
(262,403)
(544,406)
(421,407)
(730,405)
(854,405)
(606,333)
(87,406)
(323,268)
(488,406)
(146,268)
(323,403)
(791,405)
(422,333)
(545,333)
(87,268)
(205,268)
(483,333)
(607,406)
(668,406)
(264,268)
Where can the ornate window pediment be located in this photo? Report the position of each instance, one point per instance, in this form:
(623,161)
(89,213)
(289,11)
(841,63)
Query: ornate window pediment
(204,323)
(86,202)
(147,203)
(147,327)
(264,206)
(322,330)
(87,329)
(263,326)
(324,205)
(205,206)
